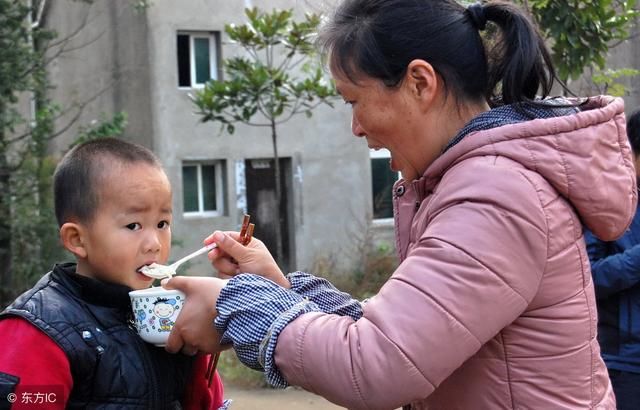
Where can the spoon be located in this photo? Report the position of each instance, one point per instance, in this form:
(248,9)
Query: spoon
(158,271)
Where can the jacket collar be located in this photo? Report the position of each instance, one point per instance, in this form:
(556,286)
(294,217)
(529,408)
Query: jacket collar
(93,291)
(515,113)
(585,157)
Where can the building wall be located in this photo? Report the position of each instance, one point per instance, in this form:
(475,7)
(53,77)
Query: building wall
(132,64)
(331,164)
(102,66)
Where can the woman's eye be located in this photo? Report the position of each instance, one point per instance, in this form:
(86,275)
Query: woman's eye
(163,224)
(134,226)
(348,102)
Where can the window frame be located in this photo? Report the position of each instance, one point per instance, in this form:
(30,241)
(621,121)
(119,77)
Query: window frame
(219,169)
(212,36)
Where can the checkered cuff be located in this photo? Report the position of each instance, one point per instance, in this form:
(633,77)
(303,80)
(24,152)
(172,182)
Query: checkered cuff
(252,311)
(325,295)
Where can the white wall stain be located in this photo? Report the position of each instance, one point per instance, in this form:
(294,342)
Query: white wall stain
(241,186)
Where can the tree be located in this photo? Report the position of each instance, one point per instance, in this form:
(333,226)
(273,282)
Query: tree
(22,78)
(582,32)
(277,79)
(28,231)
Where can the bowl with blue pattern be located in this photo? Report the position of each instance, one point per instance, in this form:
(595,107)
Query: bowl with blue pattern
(155,311)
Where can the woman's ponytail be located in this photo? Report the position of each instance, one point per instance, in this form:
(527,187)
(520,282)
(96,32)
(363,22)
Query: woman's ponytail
(519,62)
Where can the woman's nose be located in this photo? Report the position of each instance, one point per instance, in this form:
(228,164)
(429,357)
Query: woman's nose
(356,129)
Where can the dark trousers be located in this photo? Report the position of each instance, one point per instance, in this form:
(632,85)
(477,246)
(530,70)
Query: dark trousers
(626,386)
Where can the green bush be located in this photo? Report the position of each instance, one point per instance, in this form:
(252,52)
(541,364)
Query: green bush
(376,264)
(235,373)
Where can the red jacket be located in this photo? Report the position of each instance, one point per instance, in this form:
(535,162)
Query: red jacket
(43,369)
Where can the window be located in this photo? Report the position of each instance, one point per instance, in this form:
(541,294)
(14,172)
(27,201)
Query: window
(203,188)
(382,180)
(197,59)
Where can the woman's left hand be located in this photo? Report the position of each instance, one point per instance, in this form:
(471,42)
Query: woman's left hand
(194,330)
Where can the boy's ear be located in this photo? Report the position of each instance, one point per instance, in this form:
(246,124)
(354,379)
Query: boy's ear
(71,235)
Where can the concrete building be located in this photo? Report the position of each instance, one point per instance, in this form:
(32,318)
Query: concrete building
(115,59)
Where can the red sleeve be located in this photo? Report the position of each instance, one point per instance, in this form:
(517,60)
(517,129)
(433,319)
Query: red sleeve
(40,364)
(199,395)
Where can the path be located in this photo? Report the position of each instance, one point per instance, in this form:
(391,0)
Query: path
(276,399)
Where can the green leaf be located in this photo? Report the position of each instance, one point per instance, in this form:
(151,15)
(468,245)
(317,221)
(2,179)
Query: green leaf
(254,85)
(581,32)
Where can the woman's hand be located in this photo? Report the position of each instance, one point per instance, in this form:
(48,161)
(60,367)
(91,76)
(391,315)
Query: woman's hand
(231,258)
(194,330)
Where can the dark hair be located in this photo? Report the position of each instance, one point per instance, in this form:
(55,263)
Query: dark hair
(633,132)
(379,38)
(78,177)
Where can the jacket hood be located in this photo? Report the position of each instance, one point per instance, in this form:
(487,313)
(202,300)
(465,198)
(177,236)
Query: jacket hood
(586,157)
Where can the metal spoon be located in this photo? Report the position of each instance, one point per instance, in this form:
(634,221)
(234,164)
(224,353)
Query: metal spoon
(158,271)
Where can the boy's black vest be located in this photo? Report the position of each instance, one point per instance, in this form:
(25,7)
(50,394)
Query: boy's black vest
(110,365)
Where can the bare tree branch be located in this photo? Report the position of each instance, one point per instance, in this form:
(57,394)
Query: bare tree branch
(78,106)
(53,50)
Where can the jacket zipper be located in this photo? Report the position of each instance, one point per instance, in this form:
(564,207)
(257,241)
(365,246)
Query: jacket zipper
(150,372)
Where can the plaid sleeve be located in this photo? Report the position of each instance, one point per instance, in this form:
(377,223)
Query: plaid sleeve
(328,298)
(252,311)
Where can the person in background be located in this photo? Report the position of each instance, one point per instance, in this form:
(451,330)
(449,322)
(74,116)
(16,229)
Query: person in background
(492,305)
(69,341)
(615,266)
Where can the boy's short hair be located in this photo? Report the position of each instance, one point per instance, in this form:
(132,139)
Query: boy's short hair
(633,132)
(77,178)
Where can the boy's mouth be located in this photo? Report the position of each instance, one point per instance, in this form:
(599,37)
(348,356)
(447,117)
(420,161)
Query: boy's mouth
(142,275)
(147,263)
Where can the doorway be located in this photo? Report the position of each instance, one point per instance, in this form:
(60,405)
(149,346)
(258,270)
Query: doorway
(261,205)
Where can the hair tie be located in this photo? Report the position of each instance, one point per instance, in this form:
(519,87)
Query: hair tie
(478,18)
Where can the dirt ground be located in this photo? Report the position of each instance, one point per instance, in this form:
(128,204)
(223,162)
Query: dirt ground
(275,399)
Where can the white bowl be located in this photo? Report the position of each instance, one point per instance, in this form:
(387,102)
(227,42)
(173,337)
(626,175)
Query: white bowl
(155,311)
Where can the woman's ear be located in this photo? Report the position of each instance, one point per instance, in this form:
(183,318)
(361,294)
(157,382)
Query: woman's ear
(422,80)
(71,235)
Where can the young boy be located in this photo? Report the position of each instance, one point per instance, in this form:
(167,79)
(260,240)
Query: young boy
(69,342)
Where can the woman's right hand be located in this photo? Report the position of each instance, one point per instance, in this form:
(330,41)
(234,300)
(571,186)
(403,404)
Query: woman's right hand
(231,257)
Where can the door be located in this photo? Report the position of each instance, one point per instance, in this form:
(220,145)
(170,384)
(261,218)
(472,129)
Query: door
(261,204)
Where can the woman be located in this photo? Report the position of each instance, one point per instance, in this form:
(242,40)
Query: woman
(492,305)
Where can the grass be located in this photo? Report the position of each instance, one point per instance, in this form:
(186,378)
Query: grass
(235,373)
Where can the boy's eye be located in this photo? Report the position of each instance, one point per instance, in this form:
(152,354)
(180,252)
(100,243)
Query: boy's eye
(163,224)
(134,226)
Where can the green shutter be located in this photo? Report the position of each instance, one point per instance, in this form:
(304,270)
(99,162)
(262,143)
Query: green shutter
(209,187)
(202,60)
(382,180)
(190,188)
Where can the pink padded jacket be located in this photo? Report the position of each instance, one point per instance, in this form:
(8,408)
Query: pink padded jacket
(492,306)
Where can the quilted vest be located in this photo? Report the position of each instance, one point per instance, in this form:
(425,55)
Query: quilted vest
(110,365)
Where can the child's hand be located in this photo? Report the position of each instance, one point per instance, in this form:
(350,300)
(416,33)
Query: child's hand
(194,331)
(231,258)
